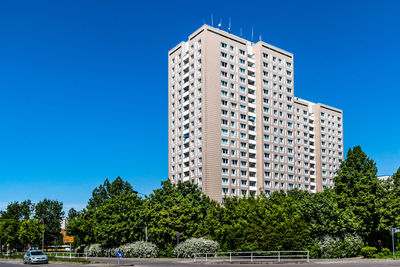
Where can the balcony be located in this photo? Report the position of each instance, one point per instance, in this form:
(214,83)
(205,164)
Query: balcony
(253,189)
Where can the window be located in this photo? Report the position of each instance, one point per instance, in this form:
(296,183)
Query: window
(223,45)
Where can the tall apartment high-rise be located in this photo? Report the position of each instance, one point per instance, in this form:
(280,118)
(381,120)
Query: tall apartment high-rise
(235,126)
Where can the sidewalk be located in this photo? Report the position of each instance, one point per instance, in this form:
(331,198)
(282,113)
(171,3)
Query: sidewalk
(357,260)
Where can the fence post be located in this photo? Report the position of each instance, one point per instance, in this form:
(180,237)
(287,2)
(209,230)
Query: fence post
(279,256)
(206,256)
(308,256)
(251,256)
(230,256)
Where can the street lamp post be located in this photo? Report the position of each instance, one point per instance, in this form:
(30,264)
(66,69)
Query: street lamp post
(43,236)
(393,230)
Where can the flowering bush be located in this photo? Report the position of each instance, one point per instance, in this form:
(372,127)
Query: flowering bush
(191,246)
(95,250)
(340,247)
(139,249)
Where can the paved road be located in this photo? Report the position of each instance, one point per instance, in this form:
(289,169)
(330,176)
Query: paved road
(182,263)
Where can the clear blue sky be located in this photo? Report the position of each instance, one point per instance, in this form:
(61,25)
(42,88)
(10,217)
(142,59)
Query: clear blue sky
(83,84)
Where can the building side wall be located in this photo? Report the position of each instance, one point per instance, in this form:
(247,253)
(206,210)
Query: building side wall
(235,127)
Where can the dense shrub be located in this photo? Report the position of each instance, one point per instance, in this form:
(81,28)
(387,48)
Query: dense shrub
(352,245)
(80,249)
(315,251)
(340,247)
(95,250)
(100,250)
(139,249)
(368,252)
(191,246)
(384,252)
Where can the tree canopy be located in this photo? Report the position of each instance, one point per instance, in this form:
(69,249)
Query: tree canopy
(358,210)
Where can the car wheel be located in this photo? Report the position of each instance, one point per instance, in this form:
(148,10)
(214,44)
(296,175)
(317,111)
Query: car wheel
(30,262)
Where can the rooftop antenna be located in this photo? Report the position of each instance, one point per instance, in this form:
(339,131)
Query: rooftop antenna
(241,32)
(229,28)
(220,24)
(252,34)
(259,37)
(212,20)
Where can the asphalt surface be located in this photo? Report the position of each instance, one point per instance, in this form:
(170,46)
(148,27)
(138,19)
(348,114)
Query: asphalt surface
(107,262)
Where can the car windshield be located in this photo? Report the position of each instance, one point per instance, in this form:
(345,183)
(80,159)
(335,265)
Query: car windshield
(37,253)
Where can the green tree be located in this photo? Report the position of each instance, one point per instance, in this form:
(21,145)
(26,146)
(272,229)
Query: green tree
(358,189)
(81,227)
(10,222)
(390,203)
(108,190)
(323,215)
(173,209)
(30,232)
(8,233)
(259,223)
(119,220)
(18,210)
(72,214)
(107,210)
(49,213)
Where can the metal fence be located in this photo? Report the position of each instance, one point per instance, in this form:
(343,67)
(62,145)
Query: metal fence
(61,254)
(67,255)
(254,256)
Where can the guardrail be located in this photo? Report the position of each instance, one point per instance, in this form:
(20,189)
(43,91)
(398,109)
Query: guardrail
(67,255)
(254,256)
(61,254)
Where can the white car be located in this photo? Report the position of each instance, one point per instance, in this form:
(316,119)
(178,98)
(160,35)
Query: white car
(35,256)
